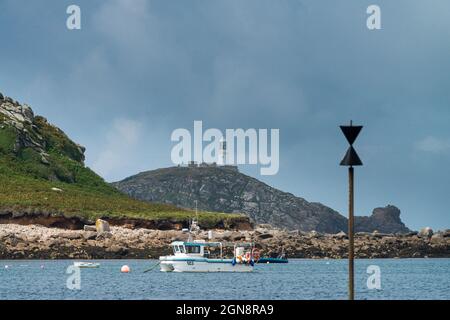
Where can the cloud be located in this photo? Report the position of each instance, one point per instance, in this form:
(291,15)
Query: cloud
(434,145)
(244,89)
(137,36)
(125,22)
(121,140)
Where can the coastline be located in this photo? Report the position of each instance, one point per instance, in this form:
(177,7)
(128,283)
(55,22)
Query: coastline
(38,242)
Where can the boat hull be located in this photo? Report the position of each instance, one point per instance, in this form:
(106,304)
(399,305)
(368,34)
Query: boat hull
(272,260)
(202,265)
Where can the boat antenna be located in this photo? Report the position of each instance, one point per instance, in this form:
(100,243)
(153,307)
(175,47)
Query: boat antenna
(196,210)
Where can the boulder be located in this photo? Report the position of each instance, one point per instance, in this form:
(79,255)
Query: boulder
(103,235)
(237,236)
(90,228)
(102,226)
(265,236)
(264,226)
(28,112)
(295,232)
(426,232)
(340,235)
(117,250)
(314,234)
(377,234)
(18,214)
(12,239)
(90,235)
(226,236)
(69,235)
(44,160)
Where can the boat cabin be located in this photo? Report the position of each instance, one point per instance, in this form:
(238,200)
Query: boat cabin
(196,248)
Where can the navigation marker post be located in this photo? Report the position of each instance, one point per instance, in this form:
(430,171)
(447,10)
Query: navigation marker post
(351,159)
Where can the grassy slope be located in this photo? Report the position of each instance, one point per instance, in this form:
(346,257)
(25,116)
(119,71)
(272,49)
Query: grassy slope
(26,184)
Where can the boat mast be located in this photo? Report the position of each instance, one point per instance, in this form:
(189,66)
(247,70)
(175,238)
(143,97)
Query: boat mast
(196,210)
(193,222)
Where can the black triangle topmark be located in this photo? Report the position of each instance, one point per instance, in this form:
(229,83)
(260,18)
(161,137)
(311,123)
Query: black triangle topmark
(351,132)
(351,158)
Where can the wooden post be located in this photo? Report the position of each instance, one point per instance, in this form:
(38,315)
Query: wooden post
(351,275)
(351,159)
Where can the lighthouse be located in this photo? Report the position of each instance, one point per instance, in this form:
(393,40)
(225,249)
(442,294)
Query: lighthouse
(222,152)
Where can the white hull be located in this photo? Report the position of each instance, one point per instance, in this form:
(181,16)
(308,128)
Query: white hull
(202,266)
(194,257)
(86,265)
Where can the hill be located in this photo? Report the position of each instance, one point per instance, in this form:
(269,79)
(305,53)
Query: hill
(225,189)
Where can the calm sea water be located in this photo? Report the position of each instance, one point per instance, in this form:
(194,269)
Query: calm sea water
(299,279)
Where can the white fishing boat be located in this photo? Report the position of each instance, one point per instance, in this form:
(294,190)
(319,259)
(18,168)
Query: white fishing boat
(201,256)
(86,264)
(195,257)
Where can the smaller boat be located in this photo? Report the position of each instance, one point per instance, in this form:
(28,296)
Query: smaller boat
(280,259)
(273,260)
(86,264)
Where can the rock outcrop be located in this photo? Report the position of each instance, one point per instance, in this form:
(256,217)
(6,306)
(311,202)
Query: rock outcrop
(426,232)
(32,138)
(225,190)
(385,220)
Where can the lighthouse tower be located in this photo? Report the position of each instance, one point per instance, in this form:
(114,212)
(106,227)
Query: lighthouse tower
(222,152)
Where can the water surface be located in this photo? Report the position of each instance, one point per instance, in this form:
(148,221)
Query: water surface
(299,279)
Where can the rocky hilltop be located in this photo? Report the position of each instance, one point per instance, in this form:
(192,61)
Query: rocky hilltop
(225,189)
(386,220)
(41,146)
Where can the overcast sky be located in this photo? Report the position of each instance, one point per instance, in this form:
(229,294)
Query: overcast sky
(139,69)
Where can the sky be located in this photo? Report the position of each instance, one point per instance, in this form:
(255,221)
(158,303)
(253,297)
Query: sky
(137,70)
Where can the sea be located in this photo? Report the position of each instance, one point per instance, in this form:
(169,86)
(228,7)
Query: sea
(375,279)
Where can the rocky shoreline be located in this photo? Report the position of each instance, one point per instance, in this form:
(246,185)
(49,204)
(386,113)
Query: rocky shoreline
(39,242)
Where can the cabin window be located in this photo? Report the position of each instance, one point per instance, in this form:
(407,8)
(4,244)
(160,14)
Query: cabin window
(182,249)
(193,249)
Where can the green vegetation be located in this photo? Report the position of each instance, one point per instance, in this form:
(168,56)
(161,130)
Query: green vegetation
(7,139)
(27,182)
(57,141)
